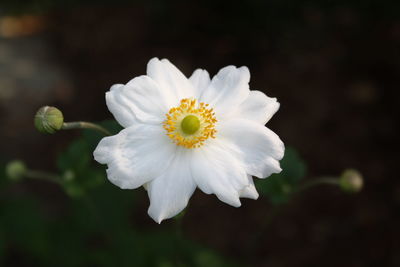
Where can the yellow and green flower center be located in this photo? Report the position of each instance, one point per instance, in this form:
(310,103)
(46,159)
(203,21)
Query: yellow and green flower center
(190,124)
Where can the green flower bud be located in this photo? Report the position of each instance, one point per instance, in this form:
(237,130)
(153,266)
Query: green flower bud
(351,181)
(48,120)
(68,175)
(15,170)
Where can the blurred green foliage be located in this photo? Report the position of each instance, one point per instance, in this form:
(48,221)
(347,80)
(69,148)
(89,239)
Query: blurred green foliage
(97,226)
(278,187)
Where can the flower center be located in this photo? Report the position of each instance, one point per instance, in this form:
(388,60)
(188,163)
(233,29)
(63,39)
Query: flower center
(190,124)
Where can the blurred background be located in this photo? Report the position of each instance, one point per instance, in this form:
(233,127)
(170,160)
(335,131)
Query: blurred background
(333,65)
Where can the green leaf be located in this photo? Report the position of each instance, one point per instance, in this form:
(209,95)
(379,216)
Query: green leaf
(79,171)
(279,186)
(76,157)
(79,155)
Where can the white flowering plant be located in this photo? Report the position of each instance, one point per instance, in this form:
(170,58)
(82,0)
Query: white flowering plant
(174,134)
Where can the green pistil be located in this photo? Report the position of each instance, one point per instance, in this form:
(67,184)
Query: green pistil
(190,124)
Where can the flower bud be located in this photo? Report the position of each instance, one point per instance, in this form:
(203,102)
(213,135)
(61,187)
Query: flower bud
(48,120)
(351,181)
(68,175)
(15,170)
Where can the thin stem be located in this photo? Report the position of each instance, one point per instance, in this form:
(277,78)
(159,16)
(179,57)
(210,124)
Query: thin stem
(256,237)
(320,181)
(178,221)
(178,227)
(85,125)
(43,176)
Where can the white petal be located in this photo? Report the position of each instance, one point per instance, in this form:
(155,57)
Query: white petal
(136,155)
(217,172)
(249,191)
(141,99)
(258,147)
(169,193)
(119,108)
(145,99)
(227,90)
(257,107)
(170,79)
(200,80)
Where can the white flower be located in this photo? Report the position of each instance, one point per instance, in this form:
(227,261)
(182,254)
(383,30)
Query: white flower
(185,133)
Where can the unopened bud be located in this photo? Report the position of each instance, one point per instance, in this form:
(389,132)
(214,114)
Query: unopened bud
(48,120)
(15,170)
(68,175)
(351,181)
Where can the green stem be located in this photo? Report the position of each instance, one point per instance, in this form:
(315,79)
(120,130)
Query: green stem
(43,176)
(178,221)
(178,228)
(85,125)
(256,237)
(320,181)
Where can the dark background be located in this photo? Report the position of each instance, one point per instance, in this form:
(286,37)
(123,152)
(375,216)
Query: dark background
(333,65)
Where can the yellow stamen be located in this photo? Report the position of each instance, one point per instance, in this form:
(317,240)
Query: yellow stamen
(190,124)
